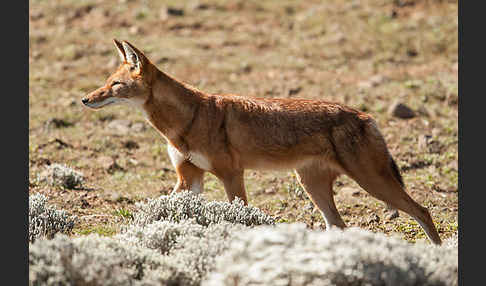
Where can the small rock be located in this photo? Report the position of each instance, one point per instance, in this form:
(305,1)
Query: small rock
(43,161)
(69,102)
(130,144)
(108,117)
(109,164)
(163,16)
(423,141)
(293,91)
(373,81)
(423,111)
(436,132)
(403,3)
(412,52)
(426,142)
(57,123)
(36,54)
(138,127)
(270,190)
(453,166)
(365,84)
(290,10)
(247,68)
(105,162)
(175,11)
(202,6)
(36,14)
(134,30)
(349,191)
(120,125)
(133,162)
(377,79)
(163,60)
(400,110)
(113,197)
(434,146)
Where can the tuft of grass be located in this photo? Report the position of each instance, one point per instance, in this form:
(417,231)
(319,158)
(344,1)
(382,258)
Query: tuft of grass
(100,230)
(123,213)
(411,230)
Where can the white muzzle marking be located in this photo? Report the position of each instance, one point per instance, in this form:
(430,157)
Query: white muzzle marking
(108,101)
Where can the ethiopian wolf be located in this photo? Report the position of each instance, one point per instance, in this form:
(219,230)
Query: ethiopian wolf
(226,134)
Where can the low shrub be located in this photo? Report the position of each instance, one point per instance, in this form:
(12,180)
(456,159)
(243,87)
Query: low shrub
(162,253)
(183,240)
(60,175)
(157,252)
(89,260)
(45,221)
(293,255)
(186,205)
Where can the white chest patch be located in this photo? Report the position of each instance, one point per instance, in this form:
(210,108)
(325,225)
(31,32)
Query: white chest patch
(176,157)
(200,161)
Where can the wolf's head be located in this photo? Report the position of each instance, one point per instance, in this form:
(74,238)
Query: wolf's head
(130,83)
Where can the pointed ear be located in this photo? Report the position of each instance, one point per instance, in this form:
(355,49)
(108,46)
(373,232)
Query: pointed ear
(121,51)
(133,56)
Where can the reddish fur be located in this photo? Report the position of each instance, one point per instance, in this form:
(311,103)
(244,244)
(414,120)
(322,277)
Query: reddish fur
(228,134)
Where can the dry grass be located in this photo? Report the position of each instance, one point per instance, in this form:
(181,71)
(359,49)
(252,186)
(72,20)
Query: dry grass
(366,54)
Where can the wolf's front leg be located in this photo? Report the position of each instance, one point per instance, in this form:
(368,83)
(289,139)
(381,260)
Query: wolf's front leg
(189,177)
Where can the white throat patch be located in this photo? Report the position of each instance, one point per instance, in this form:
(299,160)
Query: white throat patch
(176,157)
(138,103)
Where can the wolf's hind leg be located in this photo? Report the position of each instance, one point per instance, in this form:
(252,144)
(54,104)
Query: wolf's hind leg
(317,181)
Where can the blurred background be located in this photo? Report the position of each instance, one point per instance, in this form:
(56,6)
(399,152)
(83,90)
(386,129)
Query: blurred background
(395,59)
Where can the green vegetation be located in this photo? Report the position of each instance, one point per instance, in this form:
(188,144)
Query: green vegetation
(365,54)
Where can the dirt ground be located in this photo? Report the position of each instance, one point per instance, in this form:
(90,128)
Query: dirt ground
(366,54)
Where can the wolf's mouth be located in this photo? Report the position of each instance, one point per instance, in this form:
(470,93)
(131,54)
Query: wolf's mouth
(100,104)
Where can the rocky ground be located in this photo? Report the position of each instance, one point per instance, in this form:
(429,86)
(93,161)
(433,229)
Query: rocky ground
(396,60)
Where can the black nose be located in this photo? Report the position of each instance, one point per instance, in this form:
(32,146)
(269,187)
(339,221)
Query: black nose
(84,100)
